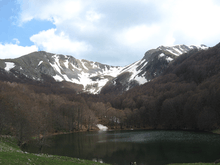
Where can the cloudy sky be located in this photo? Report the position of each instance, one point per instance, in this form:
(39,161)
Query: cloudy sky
(114,32)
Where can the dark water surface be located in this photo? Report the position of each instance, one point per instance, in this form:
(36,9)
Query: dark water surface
(146,147)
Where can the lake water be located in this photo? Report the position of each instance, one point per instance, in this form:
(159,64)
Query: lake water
(146,147)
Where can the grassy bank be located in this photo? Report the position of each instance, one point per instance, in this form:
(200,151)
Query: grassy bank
(11,154)
(217,131)
(195,164)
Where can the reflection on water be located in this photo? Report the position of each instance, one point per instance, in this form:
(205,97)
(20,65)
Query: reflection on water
(151,147)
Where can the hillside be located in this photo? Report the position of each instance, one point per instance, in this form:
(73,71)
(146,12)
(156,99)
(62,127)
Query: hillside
(185,96)
(153,64)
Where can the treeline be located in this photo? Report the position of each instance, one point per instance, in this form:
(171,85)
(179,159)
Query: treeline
(25,113)
(32,110)
(186,96)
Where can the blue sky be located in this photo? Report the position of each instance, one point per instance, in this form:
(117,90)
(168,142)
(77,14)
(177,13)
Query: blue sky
(9,12)
(114,32)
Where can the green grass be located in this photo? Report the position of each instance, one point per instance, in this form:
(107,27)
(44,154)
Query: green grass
(195,164)
(217,131)
(11,154)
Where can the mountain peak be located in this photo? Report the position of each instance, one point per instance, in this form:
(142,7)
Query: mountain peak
(92,75)
(180,49)
(154,62)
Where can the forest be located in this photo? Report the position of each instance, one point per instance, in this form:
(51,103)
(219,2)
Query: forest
(185,96)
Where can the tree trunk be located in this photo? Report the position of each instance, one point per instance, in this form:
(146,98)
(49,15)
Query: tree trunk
(78,117)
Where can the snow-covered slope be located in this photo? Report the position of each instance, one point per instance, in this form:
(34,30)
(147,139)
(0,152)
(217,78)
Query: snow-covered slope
(163,54)
(154,62)
(93,76)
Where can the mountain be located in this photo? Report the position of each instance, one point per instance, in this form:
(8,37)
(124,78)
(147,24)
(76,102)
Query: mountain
(154,62)
(185,96)
(42,66)
(91,77)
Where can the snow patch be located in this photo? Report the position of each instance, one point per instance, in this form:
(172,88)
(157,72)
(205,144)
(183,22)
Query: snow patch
(177,50)
(66,64)
(102,127)
(169,59)
(142,61)
(75,67)
(66,78)
(94,65)
(39,63)
(203,47)
(113,71)
(144,65)
(172,52)
(58,78)
(133,69)
(83,65)
(9,66)
(56,65)
(161,55)
(141,80)
(102,82)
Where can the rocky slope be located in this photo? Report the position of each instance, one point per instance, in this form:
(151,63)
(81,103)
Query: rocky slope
(41,65)
(154,62)
(92,76)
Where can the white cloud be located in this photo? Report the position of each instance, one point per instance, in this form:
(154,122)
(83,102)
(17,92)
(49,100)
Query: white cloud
(50,41)
(14,50)
(91,28)
(52,10)
(137,34)
(196,19)
(93,16)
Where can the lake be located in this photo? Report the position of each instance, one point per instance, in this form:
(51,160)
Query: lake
(146,147)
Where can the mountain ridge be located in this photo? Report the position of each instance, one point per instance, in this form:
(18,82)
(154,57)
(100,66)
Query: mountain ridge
(154,62)
(93,76)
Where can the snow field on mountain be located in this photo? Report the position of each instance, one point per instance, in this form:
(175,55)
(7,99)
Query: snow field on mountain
(9,66)
(161,55)
(133,69)
(58,78)
(93,75)
(84,77)
(66,63)
(141,80)
(169,59)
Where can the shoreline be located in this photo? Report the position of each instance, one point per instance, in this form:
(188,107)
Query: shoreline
(96,129)
(63,133)
(10,153)
(217,131)
(60,133)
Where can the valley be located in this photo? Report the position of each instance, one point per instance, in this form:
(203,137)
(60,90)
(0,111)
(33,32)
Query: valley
(43,93)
